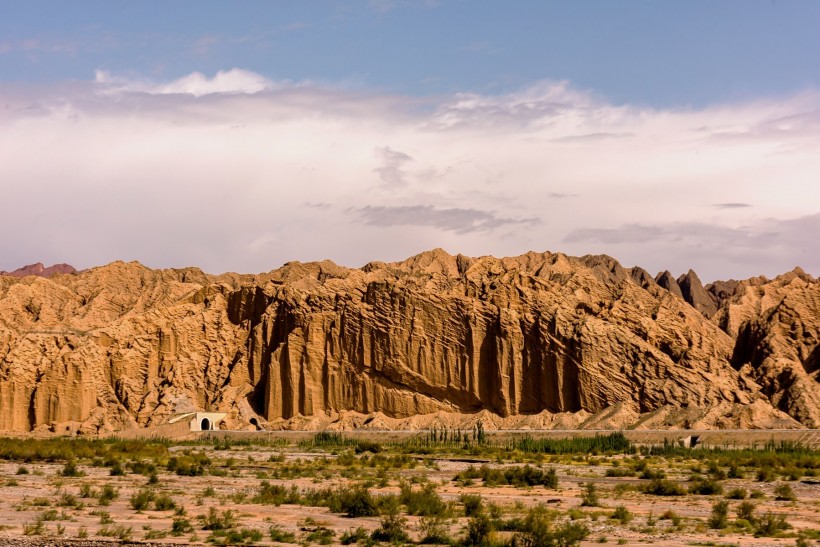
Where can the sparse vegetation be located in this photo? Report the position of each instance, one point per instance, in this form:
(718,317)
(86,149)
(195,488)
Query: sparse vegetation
(359,478)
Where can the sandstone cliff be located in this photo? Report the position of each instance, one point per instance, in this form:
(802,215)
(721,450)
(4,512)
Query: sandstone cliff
(540,340)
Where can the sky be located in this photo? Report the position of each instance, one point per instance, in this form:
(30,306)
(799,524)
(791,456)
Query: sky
(239,136)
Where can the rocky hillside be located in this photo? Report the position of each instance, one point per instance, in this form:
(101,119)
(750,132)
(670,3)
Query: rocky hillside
(539,340)
(41,270)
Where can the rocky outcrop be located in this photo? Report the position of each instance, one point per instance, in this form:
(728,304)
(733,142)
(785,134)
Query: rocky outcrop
(40,270)
(537,339)
(668,282)
(693,292)
(778,331)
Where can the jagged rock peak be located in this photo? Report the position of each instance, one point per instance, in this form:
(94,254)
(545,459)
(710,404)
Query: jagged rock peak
(694,293)
(668,282)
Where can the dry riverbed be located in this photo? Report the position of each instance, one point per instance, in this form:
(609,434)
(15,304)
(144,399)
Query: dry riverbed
(340,491)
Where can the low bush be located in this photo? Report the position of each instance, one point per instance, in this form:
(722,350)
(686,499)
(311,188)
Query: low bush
(180,525)
(70,469)
(320,535)
(622,514)
(107,495)
(349,537)
(538,530)
(433,531)
(746,511)
(662,487)
(737,494)
(118,531)
(164,502)
(784,492)
(590,496)
(706,487)
(424,502)
(514,476)
(473,504)
(720,511)
(216,521)
(140,500)
(770,525)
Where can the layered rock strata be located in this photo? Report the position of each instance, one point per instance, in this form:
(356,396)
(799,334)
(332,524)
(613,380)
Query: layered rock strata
(527,339)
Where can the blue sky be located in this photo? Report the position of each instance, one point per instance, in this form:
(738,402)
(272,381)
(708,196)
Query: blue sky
(241,135)
(660,53)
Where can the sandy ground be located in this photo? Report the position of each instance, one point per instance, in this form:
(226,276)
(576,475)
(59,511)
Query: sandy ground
(24,497)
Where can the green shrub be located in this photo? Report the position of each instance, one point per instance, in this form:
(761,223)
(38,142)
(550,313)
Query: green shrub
(706,487)
(357,502)
(746,511)
(513,476)
(350,537)
(433,530)
(590,496)
(180,525)
(737,494)
(107,495)
(280,536)
(614,442)
(718,518)
(118,531)
(662,487)
(140,500)
(479,531)
(216,521)
(70,469)
(620,472)
(622,514)
(538,530)
(69,500)
(765,474)
(770,525)
(164,502)
(473,504)
(391,526)
(734,472)
(652,474)
(321,535)
(671,516)
(189,465)
(784,492)
(275,494)
(424,502)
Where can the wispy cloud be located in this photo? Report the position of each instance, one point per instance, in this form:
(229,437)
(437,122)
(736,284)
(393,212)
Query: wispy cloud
(196,83)
(731,205)
(390,169)
(460,221)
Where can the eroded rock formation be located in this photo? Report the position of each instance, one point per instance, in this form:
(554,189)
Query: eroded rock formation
(578,342)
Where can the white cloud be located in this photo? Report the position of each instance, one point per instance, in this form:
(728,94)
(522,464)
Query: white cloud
(197,84)
(237,172)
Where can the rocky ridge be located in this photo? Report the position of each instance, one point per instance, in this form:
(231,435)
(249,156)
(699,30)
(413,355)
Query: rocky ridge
(39,269)
(537,341)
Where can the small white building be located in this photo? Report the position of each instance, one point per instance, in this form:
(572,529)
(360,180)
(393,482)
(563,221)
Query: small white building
(200,421)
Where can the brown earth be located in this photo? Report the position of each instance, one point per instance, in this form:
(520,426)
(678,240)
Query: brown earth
(42,489)
(536,341)
(41,270)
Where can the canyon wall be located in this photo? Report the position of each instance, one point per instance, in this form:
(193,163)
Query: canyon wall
(542,334)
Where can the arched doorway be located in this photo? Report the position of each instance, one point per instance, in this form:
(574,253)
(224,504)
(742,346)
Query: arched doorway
(205,425)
